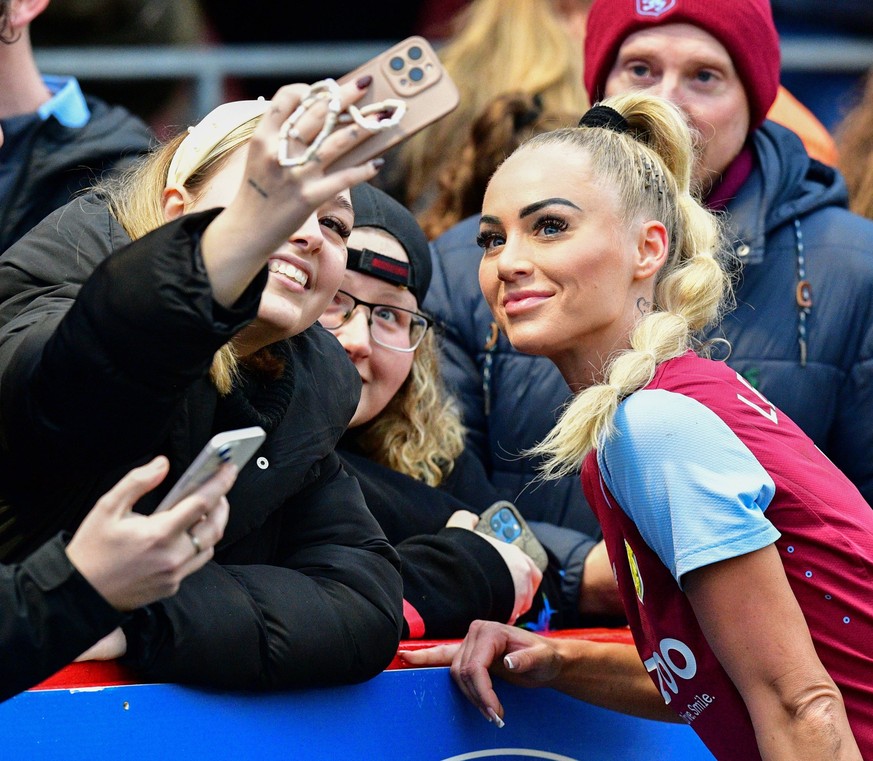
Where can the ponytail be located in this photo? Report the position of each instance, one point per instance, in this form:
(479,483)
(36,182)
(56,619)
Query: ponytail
(648,159)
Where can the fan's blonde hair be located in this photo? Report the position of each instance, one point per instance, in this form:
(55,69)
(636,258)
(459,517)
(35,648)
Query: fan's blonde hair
(135,199)
(419,432)
(501,46)
(504,124)
(650,168)
(855,143)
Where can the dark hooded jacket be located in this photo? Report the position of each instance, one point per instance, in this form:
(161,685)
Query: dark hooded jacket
(788,224)
(62,161)
(105,347)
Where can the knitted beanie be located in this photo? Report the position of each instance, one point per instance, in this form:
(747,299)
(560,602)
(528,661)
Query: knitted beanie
(744,27)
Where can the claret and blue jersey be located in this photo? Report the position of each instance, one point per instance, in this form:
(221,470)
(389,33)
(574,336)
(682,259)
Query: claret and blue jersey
(702,468)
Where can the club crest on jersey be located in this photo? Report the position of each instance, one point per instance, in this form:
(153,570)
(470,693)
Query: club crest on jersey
(654,8)
(635,571)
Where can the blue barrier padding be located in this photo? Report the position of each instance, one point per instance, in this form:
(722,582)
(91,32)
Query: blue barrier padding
(414,714)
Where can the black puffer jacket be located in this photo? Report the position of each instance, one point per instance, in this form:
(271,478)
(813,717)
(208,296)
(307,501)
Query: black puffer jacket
(451,576)
(438,561)
(104,354)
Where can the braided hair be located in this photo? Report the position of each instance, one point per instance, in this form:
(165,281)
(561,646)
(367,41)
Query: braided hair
(644,149)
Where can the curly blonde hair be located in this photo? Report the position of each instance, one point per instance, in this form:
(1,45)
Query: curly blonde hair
(419,433)
(650,166)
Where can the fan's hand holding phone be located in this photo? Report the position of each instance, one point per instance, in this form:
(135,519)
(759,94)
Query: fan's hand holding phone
(503,521)
(235,446)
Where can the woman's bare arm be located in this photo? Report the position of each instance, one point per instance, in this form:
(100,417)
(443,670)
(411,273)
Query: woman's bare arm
(796,708)
(607,674)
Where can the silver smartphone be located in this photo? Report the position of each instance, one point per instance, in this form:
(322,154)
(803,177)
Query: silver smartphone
(235,446)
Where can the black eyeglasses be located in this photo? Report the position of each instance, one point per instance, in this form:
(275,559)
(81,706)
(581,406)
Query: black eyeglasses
(390,326)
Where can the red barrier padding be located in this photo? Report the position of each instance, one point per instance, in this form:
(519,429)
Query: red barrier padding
(622,635)
(111,673)
(88,674)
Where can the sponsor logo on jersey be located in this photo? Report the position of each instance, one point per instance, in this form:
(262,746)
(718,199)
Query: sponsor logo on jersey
(672,661)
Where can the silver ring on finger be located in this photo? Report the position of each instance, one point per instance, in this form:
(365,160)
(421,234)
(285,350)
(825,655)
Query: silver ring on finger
(195,540)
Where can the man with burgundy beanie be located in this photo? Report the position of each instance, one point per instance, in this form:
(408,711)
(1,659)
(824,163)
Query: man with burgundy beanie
(704,56)
(802,330)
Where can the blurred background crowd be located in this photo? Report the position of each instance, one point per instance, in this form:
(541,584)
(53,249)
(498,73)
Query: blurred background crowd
(824,70)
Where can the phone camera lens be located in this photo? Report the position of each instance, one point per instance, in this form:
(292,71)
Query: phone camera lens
(416,74)
(396,63)
(415,53)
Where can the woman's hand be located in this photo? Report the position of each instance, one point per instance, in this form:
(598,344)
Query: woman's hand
(274,201)
(133,559)
(606,674)
(112,646)
(526,577)
(491,649)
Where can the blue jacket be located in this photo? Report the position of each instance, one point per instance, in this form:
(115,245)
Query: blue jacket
(57,163)
(788,223)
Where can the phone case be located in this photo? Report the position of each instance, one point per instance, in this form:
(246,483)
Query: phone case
(410,71)
(235,446)
(503,521)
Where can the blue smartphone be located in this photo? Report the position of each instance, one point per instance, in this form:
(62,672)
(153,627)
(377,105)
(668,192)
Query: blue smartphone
(503,521)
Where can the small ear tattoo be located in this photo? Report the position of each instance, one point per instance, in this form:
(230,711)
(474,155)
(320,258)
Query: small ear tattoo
(643,305)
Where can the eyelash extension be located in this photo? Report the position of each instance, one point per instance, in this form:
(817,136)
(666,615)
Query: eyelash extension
(548,221)
(483,239)
(342,229)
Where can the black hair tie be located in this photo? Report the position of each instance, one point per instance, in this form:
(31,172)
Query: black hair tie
(606,117)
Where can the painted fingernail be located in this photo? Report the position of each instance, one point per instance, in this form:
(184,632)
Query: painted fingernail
(495,719)
(377,163)
(509,663)
(362,83)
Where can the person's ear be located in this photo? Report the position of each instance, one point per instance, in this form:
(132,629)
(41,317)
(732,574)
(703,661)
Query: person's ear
(22,12)
(652,249)
(175,200)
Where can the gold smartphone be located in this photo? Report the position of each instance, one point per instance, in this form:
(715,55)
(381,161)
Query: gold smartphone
(411,72)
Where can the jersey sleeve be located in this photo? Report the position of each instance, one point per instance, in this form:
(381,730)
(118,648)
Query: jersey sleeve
(695,491)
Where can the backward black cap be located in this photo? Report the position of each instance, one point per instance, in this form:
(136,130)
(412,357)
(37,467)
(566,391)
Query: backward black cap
(375,208)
